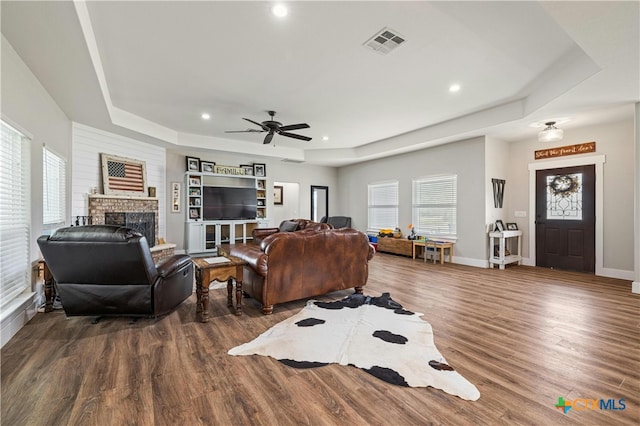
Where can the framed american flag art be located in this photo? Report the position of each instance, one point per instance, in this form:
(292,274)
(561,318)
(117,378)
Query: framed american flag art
(123,176)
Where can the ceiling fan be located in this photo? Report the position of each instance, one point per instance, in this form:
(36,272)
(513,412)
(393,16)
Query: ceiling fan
(272,127)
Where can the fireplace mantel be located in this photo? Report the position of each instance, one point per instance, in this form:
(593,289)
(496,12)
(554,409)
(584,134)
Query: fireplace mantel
(122,197)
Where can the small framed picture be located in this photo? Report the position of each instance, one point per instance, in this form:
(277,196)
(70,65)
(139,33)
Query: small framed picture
(260,184)
(260,203)
(499,225)
(194,213)
(193,164)
(207,166)
(248,169)
(259,214)
(512,226)
(194,181)
(176,190)
(277,195)
(259,170)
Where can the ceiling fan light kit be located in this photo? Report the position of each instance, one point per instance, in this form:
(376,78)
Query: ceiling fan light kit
(550,133)
(273,127)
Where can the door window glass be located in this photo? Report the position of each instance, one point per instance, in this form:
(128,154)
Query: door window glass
(564,197)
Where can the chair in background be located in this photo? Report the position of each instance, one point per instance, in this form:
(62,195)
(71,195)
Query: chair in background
(337,221)
(107,270)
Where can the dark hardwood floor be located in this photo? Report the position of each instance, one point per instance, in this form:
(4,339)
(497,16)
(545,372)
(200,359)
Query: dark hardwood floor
(524,336)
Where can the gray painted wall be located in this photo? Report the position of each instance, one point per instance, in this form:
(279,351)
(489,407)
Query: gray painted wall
(464,158)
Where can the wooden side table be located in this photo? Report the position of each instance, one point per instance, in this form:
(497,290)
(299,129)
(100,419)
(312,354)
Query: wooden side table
(437,245)
(401,246)
(49,286)
(206,272)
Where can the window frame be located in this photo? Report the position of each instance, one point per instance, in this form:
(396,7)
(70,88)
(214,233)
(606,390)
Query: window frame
(419,206)
(372,208)
(15,228)
(54,209)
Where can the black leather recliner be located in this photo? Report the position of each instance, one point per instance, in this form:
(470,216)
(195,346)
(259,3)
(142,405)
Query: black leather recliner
(107,270)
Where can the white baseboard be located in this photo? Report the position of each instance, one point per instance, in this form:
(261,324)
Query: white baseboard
(635,287)
(16,315)
(617,273)
(478,263)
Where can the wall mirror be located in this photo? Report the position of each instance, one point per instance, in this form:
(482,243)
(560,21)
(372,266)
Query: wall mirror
(319,202)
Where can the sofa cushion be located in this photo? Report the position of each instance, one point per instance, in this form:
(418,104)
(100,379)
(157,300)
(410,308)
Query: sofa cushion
(288,226)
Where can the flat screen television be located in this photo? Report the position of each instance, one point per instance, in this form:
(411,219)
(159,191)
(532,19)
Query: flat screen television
(225,203)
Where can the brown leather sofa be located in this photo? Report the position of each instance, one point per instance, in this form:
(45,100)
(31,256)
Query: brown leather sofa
(291,225)
(288,266)
(107,270)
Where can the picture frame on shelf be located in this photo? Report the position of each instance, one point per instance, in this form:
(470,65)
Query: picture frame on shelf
(512,226)
(260,203)
(193,164)
(194,213)
(248,169)
(499,226)
(260,184)
(259,214)
(259,169)
(194,181)
(207,166)
(277,194)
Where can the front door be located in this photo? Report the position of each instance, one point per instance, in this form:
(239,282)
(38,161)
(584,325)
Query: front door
(566,218)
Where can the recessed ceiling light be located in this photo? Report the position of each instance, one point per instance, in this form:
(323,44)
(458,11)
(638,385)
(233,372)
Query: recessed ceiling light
(454,88)
(205,116)
(280,10)
(325,138)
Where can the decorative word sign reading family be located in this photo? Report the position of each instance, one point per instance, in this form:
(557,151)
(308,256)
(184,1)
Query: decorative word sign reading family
(561,151)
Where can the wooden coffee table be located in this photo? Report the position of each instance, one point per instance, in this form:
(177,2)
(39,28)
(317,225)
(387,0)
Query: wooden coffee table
(206,272)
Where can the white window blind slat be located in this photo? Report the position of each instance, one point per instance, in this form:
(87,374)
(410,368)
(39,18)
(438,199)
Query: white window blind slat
(383,205)
(15,273)
(434,209)
(53,188)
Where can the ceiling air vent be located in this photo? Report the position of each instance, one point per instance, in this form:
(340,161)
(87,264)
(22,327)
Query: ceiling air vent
(385,41)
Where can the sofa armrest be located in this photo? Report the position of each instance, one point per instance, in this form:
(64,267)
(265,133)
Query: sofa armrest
(260,234)
(173,264)
(253,255)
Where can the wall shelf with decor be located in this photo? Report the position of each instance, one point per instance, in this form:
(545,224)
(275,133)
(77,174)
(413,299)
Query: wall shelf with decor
(204,234)
(194,196)
(500,254)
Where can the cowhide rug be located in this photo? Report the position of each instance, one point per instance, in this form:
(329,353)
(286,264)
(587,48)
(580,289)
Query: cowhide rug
(373,333)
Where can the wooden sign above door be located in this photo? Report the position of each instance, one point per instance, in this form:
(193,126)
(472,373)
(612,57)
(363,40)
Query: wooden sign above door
(561,151)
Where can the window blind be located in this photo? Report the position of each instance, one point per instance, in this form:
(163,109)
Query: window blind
(383,205)
(53,189)
(434,208)
(15,272)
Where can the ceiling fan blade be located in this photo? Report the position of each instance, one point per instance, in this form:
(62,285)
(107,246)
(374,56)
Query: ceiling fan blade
(268,138)
(244,131)
(294,127)
(265,128)
(292,135)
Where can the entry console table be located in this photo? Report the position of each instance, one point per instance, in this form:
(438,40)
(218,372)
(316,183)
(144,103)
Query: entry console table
(499,256)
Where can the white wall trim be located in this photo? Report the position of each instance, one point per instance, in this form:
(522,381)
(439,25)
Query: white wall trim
(598,161)
(17,313)
(617,273)
(478,263)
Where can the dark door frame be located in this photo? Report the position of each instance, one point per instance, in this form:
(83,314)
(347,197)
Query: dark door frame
(598,161)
